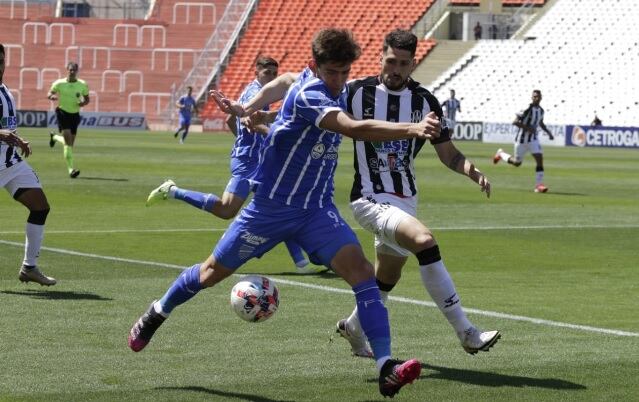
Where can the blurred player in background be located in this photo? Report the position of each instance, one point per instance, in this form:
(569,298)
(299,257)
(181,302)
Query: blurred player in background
(384,192)
(452,106)
(186,105)
(294,198)
(17,177)
(244,160)
(71,93)
(526,140)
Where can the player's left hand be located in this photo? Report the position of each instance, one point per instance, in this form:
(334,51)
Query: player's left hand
(255,119)
(225,104)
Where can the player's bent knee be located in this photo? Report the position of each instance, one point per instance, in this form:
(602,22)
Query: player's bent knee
(425,240)
(38,217)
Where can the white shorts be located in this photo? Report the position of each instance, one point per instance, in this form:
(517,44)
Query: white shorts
(381,214)
(18,176)
(522,148)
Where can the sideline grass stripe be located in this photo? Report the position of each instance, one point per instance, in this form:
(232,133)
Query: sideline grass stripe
(443,229)
(348,291)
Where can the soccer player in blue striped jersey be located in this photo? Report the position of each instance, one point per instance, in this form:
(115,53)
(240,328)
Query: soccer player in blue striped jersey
(244,160)
(294,199)
(186,106)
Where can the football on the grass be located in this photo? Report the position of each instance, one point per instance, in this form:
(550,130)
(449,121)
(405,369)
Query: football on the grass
(255,298)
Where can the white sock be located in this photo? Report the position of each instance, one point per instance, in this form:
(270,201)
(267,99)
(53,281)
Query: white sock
(504,156)
(352,322)
(380,363)
(32,244)
(441,289)
(539,177)
(158,309)
(172,191)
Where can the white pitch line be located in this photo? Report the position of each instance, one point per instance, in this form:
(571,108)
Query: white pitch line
(348,291)
(442,229)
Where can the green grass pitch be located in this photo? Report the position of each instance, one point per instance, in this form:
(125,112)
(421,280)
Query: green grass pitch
(558,273)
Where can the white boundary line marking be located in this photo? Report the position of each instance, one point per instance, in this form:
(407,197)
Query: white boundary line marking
(348,291)
(441,229)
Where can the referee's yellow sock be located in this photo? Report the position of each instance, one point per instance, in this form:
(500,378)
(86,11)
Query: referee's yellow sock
(58,138)
(68,156)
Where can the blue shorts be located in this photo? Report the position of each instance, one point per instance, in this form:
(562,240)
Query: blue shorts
(262,224)
(242,170)
(185,120)
(243,166)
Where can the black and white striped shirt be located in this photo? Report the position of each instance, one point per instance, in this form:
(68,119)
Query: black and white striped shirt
(387,166)
(530,117)
(8,120)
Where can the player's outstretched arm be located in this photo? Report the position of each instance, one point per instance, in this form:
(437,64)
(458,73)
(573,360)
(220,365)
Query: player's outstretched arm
(341,122)
(450,156)
(271,92)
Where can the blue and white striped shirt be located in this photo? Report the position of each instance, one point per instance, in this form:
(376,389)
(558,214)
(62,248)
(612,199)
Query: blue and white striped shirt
(248,143)
(299,158)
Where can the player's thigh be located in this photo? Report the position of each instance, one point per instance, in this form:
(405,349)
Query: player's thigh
(520,151)
(323,233)
(253,233)
(382,214)
(24,185)
(413,235)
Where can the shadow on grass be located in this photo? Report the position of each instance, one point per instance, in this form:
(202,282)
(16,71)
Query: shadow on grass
(236,395)
(488,379)
(56,295)
(100,178)
(327,274)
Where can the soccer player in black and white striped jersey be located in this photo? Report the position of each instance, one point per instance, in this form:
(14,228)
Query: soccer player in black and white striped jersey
(384,192)
(17,177)
(452,106)
(526,140)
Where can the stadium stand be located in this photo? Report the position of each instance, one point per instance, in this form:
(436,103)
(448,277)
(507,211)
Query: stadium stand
(504,2)
(283,29)
(582,59)
(129,64)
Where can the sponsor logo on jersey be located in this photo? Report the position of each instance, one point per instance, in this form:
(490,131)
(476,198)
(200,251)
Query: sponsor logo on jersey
(318,150)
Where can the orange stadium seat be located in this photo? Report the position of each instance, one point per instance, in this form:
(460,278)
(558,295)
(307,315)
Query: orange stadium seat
(291,25)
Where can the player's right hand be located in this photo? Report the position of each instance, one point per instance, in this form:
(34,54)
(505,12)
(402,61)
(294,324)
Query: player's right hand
(430,127)
(225,104)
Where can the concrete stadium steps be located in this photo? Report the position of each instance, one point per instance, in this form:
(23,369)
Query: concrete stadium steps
(444,55)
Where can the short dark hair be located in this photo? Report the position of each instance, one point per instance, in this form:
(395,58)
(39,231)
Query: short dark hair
(537,91)
(335,45)
(401,39)
(189,88)
(266,61)
(72,64)
(1,48)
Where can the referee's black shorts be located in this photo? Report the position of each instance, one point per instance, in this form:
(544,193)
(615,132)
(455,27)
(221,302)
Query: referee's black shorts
(67,121)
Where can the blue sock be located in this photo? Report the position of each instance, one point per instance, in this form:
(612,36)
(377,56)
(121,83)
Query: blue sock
(182,290)
(197,199)
(295,251)
(373,317)
(185,133)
